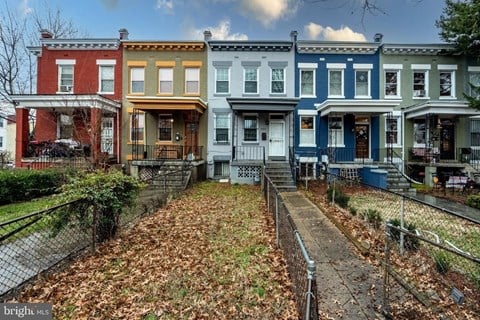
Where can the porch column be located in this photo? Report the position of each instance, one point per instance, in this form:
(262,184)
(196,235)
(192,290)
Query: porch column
(96,134)
(22,135)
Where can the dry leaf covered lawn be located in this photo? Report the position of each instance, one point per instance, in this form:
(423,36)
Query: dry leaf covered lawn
(209,254)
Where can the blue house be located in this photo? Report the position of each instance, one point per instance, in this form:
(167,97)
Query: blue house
(340,116)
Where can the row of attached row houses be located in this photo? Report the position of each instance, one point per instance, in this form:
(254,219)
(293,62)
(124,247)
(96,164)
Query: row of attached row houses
(231,106)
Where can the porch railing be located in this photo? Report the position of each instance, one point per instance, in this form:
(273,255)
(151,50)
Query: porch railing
(166,152)
(249,153)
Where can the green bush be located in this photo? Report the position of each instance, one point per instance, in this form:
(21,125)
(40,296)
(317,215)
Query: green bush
(340,198)
(373,217)
(353,211)
(442,262)
(473,201)
(409,242)
(24,185)
(107,195)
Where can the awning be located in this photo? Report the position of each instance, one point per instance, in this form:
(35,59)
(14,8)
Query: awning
(263,104)
(168,104)
(459,108)
(344,106)
(65,101)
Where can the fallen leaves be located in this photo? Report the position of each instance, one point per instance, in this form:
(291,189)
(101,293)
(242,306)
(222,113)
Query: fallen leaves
(209,254)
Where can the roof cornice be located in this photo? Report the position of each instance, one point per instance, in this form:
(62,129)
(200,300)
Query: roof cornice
(81,44)
(164,46)
(275,46)
(419,49)
(337,47)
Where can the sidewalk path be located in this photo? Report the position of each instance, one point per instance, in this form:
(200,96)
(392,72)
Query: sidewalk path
(348,287)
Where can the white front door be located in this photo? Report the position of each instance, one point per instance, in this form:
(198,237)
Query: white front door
(107,135)
(276,146)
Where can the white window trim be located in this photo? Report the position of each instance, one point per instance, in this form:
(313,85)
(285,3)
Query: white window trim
(100,78)
(106,62)
(342,94)
(339,144)
(215,141)
(198,75)
(244,80)
(399,83)
(314,84)
(59,76)
(131,80)
(427,83)
(453,87)
(300,144)
(65,61)
(399,132)
(369,93)
(216,79)
(159,81)
(284,81)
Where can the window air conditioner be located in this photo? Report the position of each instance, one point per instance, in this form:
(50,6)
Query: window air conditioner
(66,88)
(419,93)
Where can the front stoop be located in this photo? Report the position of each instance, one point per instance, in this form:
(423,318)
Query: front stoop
(281,175)
(396,182)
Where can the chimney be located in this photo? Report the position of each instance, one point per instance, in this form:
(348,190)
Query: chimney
(207,35)
(293,36)
(378,37)
(123,34)
(45,34)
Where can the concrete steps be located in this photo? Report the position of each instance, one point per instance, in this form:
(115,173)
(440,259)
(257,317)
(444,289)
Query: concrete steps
(396,182)
(281,175)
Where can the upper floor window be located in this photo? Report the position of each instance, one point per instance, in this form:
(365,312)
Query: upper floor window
(420,80)
(192,80)
(222,127)
(137,127)
(335,131)
(165,127)
(278,80)
(250,80)
(475,133)
(137,80)
(362,83)
(250,127)
(107,79)
(222,80)
(473,85)
(165,80)
(335,83)
(446,75)
(65,78)
(392,83)
(307,130)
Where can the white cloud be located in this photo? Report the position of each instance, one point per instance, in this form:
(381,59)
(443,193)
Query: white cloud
(165,5)
(317,32)
(268,12)
(219,32)
(25,8)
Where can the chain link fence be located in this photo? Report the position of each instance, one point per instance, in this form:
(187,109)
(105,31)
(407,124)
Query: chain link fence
(300,266)
(431,251)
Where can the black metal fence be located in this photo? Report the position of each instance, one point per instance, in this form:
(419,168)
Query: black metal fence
(300,266)
(433,252)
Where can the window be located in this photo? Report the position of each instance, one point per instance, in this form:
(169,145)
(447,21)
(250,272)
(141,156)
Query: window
(221,169)
(221,127)
(447,84)
(107,78)
(392,134)
(419,133)
(65,127)
(392,82)
(2,123)
(475,132)
(137,126)
(137,80)
(420,84)
(251,80)
(307,131)
(362,80)
(1,142)
(250,128)
(335,83)
(65,76)
(474,84)
(335,131)
(278,81)
(165,80)
(307,84)
(106,144)
(165,124)
(192,80)
(222,80)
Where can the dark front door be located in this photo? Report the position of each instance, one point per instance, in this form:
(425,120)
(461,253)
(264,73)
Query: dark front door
(361,141)
(447,140)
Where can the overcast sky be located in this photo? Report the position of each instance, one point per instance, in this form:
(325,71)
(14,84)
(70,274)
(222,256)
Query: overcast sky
(400,21)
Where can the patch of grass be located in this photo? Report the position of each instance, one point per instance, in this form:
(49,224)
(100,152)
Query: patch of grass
(15,210)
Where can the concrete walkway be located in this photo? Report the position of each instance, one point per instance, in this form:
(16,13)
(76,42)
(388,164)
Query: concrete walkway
(348,286)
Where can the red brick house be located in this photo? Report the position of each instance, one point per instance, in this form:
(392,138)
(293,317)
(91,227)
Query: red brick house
(77,108)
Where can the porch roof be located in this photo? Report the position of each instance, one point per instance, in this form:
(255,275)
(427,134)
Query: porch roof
(263,104)
(65,101)
(373,106)
(168,103)
(460,108)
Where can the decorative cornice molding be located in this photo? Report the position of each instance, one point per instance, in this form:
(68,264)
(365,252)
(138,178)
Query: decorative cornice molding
(262,46)
(81,44)
(418,49)
(337,47)
(164,46)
